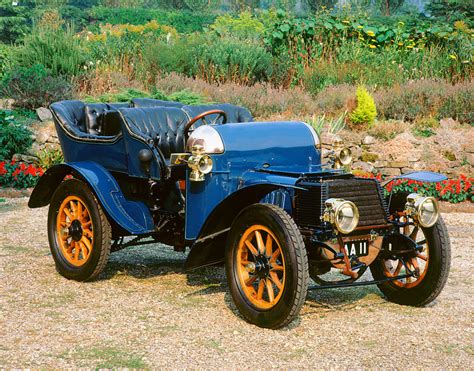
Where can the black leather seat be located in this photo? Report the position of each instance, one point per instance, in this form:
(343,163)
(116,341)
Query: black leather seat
(234,113)
(148,102)
(71,115)
(163,126)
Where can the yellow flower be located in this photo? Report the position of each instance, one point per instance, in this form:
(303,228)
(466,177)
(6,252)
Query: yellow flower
(401,23)
(452,56)
(400,44)
(372,46)
(360,26)
(346,21)
(370,33)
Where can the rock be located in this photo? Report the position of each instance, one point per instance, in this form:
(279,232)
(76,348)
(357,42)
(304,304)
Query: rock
(369,157)
(380,164)
(42,137)
(35,149)
(368,140)
(407,170)
(390,171)
(25,158)
(398,164)
(470,158)
(360,165)
(44,114)
(6,103)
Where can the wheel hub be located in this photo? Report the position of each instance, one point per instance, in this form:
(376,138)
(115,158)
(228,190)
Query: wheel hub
(75,230)
(262,266)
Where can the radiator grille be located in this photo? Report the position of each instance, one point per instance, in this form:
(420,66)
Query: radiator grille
(365,193)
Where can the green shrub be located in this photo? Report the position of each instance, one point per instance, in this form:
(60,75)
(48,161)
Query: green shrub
(56,47)
(459,104)
(5,58)
(49,157)
(425,126)
(365,112)
(14,137)
(187,97)
(245,26)
(184,21)
(224,60)
(34,87)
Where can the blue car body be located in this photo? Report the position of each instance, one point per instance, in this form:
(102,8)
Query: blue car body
(261,161)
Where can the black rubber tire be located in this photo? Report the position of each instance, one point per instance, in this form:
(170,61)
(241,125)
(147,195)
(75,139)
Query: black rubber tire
(436,276)
(294,252)
(101,227)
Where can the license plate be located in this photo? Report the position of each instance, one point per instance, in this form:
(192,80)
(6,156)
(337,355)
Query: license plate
(357,248)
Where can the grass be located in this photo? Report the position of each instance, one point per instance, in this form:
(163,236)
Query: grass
(106,357)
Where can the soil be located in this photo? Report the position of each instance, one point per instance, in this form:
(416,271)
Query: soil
(144,312)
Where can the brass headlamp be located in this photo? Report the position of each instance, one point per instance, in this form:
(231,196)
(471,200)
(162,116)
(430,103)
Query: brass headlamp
(200,163)
(424,210)
(341,156)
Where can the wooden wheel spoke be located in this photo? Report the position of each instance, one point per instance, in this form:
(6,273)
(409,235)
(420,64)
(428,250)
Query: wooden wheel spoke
(87,243)
(68,214)
(277,268)
(276,280)
(86,224)
(77,248)
(422,242)
(85,251)
(398,269)
(88,232)
(422,256)
(414,233)
(70,247)
(251,247)
(275,255)
(73,209)
(79,211)
(260,244)
(269,246)
(261,286)
(249,281)
(270,292)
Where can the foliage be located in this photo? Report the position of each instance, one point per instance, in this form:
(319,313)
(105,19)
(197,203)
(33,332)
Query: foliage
(387,130)
(187,97)
(49,157)
(324,37)
(332,125)
(365,112)
(451,190)
(425,126)
(184,21)
(19,175)
(245,26)
(5,58)
(14,20)
(55,47)
(34,87)
(14,137)
(427,98)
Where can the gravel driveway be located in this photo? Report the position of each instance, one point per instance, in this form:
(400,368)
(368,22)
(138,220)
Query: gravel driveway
(145,312)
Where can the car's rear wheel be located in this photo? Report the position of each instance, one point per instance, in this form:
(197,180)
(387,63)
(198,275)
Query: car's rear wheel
(78,231)
(267,266)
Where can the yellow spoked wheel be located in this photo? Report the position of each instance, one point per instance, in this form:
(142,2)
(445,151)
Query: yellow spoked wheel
(78,231)
(261,267)
(417,263)
(266,266)
(75,231)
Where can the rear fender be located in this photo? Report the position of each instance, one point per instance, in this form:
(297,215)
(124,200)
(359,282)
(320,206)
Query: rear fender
(133,216)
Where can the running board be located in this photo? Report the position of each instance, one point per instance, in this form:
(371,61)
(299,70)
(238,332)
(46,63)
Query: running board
(352,284)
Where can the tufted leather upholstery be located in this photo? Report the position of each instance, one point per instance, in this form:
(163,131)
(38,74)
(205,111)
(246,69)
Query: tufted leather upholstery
(72,115)
(234,113)
(148,102)
(93,112)
(163,125)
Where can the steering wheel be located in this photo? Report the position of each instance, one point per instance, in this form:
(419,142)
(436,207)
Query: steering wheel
(202,117)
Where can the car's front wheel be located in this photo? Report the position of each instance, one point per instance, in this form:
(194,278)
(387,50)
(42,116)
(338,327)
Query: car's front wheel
(78,231)
(267,266)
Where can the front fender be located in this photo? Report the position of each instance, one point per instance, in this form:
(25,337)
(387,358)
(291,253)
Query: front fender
(255,186)
(133,216)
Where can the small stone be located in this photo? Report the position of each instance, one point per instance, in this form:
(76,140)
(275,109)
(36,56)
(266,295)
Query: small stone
(360,165)
(390,171)
(42,137)
(24,158)
(398,164)
(368,140)
(44,114)
(6,103)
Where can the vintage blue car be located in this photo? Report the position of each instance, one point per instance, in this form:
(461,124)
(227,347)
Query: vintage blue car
(254,195)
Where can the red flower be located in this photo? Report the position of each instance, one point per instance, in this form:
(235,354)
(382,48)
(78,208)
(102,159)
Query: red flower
(458,188)
(16,172)
(438,187)
(467,185)
(415,188)
(463,177)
